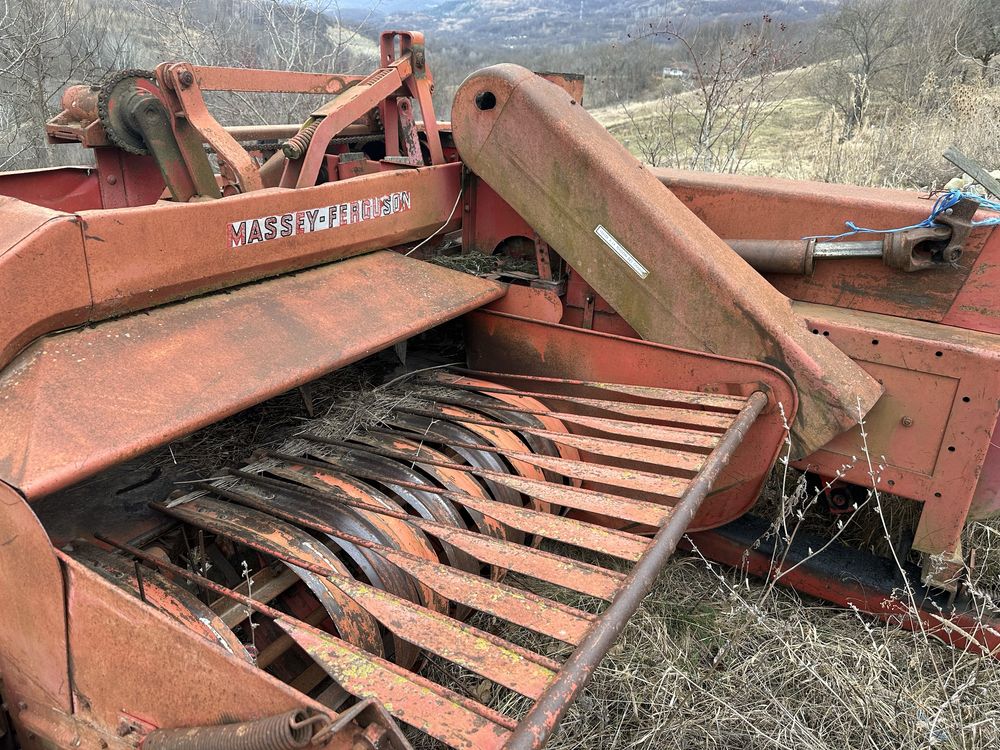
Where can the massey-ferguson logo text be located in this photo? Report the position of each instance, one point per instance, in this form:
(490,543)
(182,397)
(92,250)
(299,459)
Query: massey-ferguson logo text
(252,231)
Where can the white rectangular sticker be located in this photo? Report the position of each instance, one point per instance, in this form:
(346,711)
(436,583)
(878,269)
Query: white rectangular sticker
(279,226)
(619,249)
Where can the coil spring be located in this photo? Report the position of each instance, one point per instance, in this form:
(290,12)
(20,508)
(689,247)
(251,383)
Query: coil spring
(295,147)
(288,731)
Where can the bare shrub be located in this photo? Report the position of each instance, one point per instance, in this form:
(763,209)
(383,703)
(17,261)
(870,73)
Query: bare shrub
(734,86)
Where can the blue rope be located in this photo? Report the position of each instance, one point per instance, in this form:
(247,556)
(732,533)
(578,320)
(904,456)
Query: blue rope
(942,204)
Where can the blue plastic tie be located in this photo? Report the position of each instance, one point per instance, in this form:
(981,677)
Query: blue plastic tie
(942,204)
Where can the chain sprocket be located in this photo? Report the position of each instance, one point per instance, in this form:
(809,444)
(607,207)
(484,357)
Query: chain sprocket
(118,132)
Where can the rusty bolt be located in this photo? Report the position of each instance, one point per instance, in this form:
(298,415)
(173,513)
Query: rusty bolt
(907,422)
(186,78)
(112,180)
(374,737)
(22,706)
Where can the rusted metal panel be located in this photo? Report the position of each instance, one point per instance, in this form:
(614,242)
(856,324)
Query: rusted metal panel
(975,305)
(119,646)
(161,593)
(143,256)
(33,641)
(748,207)
(57,188)
(40,251)
(161,375)
(110,262)
(640,247)
(931,432)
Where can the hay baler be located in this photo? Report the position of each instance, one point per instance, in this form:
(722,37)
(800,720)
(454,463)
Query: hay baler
(673,338)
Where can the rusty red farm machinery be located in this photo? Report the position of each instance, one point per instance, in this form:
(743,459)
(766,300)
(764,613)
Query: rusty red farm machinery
(673,338)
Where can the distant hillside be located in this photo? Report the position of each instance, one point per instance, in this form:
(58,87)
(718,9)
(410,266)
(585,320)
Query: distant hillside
(517,23)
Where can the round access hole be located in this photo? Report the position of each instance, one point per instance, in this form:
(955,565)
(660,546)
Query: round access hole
(486,100)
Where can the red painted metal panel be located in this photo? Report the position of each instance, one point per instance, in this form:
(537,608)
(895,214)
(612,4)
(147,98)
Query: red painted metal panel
(58,188)
(32,621)
(80,401)
(43,274)
(143,256)
(120,647)
(932,428)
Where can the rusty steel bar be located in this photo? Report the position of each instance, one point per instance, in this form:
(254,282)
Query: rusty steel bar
(675,435)
(605,504)
(640,452)
(721,401)
(538,724)
(520,607)
(667,486)
(797,256)
(623,408)
(777,256)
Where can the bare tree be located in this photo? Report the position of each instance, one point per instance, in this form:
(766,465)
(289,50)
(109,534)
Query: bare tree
(735,84)
(45,45)
(978,37)
(862,38)
(272,34)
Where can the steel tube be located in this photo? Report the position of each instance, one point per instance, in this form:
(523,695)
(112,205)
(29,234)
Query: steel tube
(859,249)
(776,256)
(535,728)
(282,132)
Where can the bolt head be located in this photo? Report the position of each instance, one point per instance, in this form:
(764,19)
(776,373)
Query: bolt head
(186,78)
(907,421)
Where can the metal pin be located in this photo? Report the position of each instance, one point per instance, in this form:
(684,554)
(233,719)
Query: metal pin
(138,579)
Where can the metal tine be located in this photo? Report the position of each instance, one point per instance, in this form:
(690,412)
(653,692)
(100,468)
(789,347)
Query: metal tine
(487,655)
(589,536)
(657,484)
(694,417)
(638,452)
(720,401)
(523,608)
(592,501)
(417,701)
(654,432)
(581,577)
(432,708)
